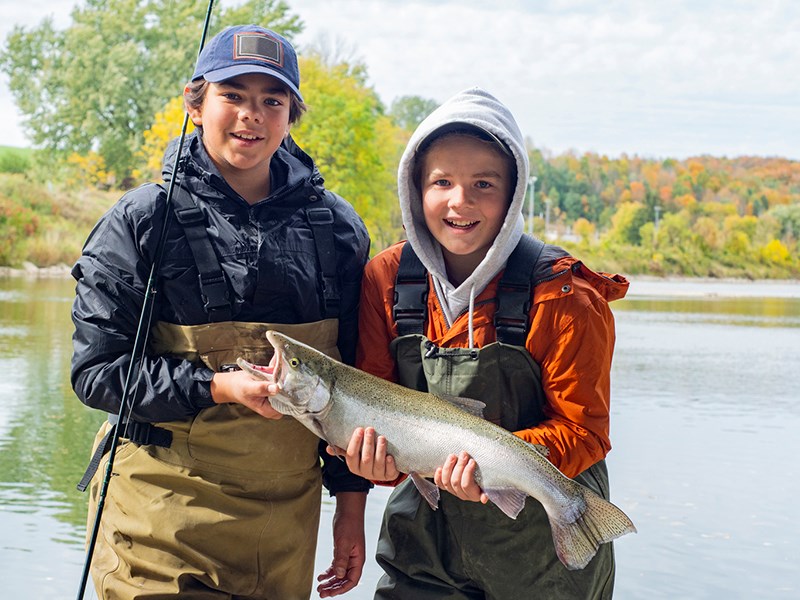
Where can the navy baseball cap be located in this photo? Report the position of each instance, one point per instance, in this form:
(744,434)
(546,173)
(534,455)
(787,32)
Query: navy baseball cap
(247,49)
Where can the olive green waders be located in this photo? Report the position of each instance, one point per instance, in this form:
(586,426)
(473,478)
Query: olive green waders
(231,508)
(467,550)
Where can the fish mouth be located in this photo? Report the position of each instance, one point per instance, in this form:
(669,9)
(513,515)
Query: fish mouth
(277,360)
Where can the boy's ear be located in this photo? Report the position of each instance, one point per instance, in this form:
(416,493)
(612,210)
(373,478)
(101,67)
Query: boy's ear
(195,114)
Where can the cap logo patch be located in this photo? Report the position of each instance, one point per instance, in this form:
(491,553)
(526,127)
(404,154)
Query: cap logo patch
(250,46)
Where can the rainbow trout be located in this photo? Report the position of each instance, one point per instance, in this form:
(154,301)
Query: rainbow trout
(332,399)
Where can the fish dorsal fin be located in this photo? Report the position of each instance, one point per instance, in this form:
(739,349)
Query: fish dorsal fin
(473,407)
(510,500)
(541,449)
(427,489)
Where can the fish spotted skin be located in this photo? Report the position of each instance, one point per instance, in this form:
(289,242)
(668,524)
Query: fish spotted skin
(333,399)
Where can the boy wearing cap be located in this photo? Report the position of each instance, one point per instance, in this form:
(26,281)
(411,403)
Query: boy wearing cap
(470,306)
(216,495)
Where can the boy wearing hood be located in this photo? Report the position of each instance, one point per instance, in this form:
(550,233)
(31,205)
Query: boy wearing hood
(469,306)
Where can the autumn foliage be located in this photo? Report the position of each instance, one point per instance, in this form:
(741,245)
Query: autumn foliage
(706,215)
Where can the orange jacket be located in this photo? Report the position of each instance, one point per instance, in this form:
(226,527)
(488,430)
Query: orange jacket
(571,339)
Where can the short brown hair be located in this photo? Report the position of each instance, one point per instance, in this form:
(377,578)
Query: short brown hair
(195,92)
(424,148)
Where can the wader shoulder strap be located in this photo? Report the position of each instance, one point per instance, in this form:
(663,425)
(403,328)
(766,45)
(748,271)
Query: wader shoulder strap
(410,293)
(321,221)
(515,292)
(213,286)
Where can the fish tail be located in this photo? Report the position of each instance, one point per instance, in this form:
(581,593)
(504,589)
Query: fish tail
(577,542)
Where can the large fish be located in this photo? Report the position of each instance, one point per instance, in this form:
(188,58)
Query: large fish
(422,430)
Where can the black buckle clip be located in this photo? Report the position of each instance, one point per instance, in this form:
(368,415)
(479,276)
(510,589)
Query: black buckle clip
(320,216)
(190,216)
(214,291)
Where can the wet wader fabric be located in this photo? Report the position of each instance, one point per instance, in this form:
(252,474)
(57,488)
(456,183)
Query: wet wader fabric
(231,508)
(466,550)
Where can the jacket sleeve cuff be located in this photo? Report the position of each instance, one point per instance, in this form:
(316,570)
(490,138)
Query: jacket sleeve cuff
(201,392)
(394,482)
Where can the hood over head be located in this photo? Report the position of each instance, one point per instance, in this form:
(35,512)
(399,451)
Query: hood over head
(476,108)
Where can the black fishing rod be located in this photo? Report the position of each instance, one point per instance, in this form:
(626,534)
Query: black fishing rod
(142,331)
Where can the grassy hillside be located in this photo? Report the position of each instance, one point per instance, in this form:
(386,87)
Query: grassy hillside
(703,217)
(15,160)
(42,224)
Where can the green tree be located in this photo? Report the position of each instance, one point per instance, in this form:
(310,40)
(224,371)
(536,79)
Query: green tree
(98,84)
(355,145)
(789,219)
(626,222)
(409,111)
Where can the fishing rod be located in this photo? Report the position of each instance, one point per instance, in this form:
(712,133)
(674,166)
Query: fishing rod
(142,330)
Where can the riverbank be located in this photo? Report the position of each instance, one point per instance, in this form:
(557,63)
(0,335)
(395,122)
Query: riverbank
(31,270)
(641,285)
(706,287)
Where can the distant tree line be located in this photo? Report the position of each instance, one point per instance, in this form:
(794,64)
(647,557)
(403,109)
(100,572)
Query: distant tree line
(102,98)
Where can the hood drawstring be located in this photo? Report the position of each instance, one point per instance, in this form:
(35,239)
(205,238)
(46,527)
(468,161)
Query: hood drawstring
(469,320)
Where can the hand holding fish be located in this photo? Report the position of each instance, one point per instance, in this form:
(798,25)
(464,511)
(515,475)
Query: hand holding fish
(457,476)
(241,388)
(423,431)
(366,456)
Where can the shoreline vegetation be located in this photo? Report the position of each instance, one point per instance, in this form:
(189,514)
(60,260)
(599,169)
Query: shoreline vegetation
(702,219)
(641,285)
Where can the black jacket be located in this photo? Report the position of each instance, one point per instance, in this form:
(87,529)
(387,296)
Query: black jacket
(266,251)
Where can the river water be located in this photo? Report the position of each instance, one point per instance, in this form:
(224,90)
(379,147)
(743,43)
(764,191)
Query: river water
(705,427)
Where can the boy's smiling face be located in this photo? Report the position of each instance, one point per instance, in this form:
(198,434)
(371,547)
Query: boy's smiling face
(466,190)
(244,120)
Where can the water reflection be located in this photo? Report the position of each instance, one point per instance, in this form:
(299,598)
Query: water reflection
(45,433)
(704,424)
(760,312)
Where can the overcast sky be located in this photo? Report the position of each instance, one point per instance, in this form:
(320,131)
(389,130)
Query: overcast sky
(655,78)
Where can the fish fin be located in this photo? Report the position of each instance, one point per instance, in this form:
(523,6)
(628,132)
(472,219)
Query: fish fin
(473,407)
(577,542)
(510,500)
(427,489)
(334,449)
(315,425)
(541,449)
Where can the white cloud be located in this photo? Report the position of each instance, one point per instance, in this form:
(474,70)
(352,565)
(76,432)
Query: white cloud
(652,78)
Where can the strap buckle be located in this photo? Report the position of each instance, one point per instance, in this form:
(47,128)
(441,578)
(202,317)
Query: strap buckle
(214,291)
(410,305)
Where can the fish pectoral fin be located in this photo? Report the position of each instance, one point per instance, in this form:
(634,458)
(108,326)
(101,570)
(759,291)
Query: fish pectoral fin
(427,489)
(319,430)
(473,407)
(334,450)
(510,500)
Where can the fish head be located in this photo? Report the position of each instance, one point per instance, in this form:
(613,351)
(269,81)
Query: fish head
(299,372)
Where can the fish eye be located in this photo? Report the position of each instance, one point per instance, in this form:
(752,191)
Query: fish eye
(294,362)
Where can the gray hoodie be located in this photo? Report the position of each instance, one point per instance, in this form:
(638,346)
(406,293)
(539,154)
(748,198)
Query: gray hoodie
(478,108)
